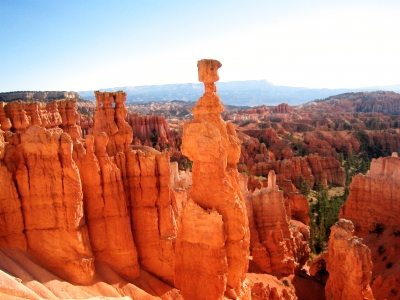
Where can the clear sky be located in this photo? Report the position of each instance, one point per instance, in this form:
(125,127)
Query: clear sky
(91,44)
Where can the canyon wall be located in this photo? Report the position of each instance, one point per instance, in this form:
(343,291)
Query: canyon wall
(97,194)
(374,198)
(99,216)
(38,96)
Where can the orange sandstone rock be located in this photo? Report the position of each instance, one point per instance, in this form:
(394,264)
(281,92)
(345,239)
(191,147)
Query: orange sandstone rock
(201,242)
(110,120)
(16,113)
(374,198)
(106,211)
(273,255)
(11,222)
(153,219)
(51,196)
(214,148)
(349,264)
(69,117)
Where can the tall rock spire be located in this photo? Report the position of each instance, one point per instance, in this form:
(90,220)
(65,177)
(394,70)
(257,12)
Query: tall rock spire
(213,235)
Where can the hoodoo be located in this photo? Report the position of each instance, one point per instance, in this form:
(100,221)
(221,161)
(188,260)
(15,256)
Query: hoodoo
(213,233)
(349,264)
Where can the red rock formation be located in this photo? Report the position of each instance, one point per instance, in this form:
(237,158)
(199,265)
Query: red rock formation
(214,148)
(265,287)
(295,202)
(349,264)
(147,176)
(11,222)
(282,108)
(374,198)
(203,230)
(106,210)
(312,168)
(385,250)
(327,143)
(51,196)
(69,117)
(151,128)
(276,249)
(5,123)
(387,141)
(17,115)
(86,123)
(111,121)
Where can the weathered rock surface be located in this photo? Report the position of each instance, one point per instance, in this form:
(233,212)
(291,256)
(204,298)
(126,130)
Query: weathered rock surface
(151,129)
(201,242)
(214,148)
(110,120)
(106,210)
(327,143)
(265,287)
(374,198)
(11,221)
(313,168)
(145,176)
(51,197)
(282,108)
(385,250)
(152,215)
(349,264)
(277,247)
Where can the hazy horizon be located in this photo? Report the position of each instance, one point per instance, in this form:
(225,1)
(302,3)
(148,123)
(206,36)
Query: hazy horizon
(88,45)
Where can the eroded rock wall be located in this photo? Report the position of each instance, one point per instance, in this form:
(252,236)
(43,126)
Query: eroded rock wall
(11,221)
(50,189)
(374,198)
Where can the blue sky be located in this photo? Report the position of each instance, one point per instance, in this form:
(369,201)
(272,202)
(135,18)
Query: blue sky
(91,44)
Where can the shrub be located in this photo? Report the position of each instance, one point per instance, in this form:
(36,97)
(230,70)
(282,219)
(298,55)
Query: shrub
(285,282)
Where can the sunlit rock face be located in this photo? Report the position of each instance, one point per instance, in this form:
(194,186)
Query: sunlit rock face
(50,191)
(214,199)
(11,222)
(278,245)
(349,264)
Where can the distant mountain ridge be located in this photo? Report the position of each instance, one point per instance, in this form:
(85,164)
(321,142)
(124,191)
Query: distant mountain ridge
(384,102)
(240,93)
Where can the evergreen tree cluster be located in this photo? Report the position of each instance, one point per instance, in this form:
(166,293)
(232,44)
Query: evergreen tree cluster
(324,213)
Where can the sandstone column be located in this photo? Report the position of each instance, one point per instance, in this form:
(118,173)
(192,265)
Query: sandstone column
(349,265)
(213,234)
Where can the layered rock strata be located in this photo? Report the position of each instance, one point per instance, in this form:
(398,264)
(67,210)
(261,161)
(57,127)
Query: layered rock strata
(145,177)
(106,210)
(215,199)
(11,221)
(152,130)
(278,245)
(126,194)
(349,264)
(50,190)
(312,168)
(374,198)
